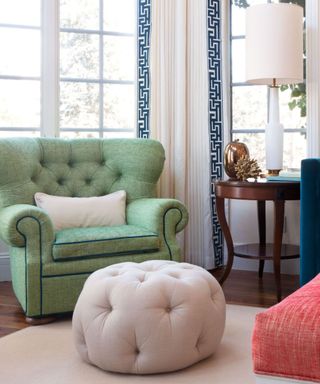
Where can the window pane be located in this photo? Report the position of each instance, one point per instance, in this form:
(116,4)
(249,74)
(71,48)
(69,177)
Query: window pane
(79,55)
(120,15)
(20,52)
(22,12)
(238,61)
(239,17)
(119,109)
(4,134)
(82,14)
(290,118)
(119,58)
(79,105)
(119,135)
(79,59)
(238,21)
(19,103)
(256,145)
(249,107)
(294,149)
(78,135)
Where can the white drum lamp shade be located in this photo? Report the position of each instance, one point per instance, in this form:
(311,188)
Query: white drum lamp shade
(274,56)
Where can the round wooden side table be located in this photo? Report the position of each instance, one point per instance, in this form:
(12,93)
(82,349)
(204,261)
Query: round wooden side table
(261,191)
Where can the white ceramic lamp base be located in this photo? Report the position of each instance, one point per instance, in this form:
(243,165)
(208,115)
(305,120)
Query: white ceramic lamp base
(274,147)
(274,135)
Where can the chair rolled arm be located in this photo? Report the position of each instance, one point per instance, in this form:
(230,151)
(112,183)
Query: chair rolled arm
(151,213)
(17,224)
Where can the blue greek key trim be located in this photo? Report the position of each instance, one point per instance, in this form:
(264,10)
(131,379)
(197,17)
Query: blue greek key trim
(143,78)
(215,117)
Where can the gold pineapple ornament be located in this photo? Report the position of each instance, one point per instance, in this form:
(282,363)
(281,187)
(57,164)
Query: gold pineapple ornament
(246,167)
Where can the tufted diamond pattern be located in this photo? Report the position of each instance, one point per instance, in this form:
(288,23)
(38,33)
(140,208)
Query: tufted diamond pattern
(81,168)
(150,317)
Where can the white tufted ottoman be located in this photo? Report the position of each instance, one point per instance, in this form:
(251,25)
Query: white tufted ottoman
(150,317)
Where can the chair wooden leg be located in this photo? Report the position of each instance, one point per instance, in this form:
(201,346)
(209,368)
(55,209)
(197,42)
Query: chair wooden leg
(40,320)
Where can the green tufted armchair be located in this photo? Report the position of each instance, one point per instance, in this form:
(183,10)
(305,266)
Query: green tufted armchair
(49,268)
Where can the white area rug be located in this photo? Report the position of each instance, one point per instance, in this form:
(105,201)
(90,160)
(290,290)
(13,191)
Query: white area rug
(46,355)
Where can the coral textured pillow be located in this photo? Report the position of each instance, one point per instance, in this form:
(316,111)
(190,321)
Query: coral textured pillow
(72,212)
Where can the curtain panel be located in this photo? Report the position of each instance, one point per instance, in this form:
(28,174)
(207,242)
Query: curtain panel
(186,116)
(143,67)
(216,134)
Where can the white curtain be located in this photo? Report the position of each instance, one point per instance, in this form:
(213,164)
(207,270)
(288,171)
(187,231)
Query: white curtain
(179,116)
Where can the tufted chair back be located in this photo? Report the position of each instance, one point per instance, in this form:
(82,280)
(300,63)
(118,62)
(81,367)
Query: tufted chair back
(79,168)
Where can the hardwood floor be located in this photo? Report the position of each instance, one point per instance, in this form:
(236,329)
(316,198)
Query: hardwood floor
(246,288)
(11,315)
(241,287)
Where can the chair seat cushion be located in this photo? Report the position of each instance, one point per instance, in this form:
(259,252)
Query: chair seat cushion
(79,243)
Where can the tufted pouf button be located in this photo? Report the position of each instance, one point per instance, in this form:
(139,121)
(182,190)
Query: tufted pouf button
(191,330)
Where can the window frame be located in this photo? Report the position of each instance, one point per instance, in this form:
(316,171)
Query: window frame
(50,79)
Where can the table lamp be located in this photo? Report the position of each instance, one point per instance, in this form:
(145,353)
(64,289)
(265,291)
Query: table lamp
(274,56)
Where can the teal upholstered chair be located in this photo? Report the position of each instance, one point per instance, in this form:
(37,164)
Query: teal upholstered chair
(310,220)
(46,284)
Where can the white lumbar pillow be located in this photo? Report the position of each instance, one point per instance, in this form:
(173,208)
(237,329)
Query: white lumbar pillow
(72,212)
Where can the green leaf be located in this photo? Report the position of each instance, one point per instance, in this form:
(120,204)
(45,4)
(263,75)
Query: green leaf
(299,2)
(240,3)
(303,111)
(296,93)
(292,104)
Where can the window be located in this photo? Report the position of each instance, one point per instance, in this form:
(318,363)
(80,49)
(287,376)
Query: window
(95,87)
(97,68)
(20,68)
(249,102)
